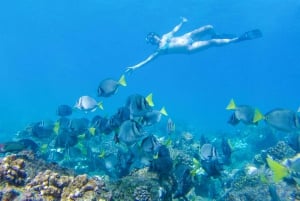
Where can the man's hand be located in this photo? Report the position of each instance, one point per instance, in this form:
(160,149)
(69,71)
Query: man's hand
(130,69)
(183,19)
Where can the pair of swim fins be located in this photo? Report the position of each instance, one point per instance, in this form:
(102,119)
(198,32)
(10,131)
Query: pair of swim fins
(249,35)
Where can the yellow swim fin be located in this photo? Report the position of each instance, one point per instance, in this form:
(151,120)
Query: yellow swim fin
(122,81)
(257,116)
(163,111)
(231,105)
(149,99)
(279,171)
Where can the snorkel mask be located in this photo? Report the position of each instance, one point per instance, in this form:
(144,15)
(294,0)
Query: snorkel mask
(153,38)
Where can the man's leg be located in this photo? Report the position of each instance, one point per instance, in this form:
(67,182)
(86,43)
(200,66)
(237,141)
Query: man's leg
(200,32)
(201,45)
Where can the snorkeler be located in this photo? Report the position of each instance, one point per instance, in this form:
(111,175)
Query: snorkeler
(190,42)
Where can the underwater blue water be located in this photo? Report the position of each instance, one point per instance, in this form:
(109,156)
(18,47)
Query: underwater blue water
(52,52)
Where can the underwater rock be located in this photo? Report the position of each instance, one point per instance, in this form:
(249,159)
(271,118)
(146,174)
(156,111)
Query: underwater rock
(24,177)
(52,186)
(247,187)
(49,184)
(141,186)
(281,151)
(141,193)
(8,194)
(12,170)
(84,188)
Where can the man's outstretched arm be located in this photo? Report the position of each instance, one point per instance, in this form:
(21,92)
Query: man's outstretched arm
(177,27)
(150,58)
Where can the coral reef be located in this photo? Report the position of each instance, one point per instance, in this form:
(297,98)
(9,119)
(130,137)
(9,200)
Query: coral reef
(281,151)
(12,170)
(25,178)
(49,184)
(141,186)
(247,187)
(8,194)
(83,188)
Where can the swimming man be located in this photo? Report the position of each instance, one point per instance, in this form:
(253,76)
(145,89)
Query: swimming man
(190,42)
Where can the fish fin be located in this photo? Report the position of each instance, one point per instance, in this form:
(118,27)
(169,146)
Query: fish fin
(100,105)
(168,142)
(196,167)
(102,154)
(298,109)
(257,116)
(56,127)
(92,130)
(263,178)
(44,148)
(150,100)
(122,81)
(196,163)
(82,148)
(163,111)
(81,137)
(279,171)
(231,105)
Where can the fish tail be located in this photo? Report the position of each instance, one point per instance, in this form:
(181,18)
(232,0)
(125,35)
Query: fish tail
(56,127)
(150,100)
(100,105)
(92,130)
(279,171)
(163,111)
(257,116)
(102,154)
(231,105)
(122,81)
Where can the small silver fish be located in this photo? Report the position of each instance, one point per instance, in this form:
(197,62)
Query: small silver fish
(88,104)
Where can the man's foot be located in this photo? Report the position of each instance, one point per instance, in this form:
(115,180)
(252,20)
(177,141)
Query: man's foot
(250,35)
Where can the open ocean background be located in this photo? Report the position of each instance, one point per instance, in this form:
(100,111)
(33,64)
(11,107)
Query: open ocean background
(53,52)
